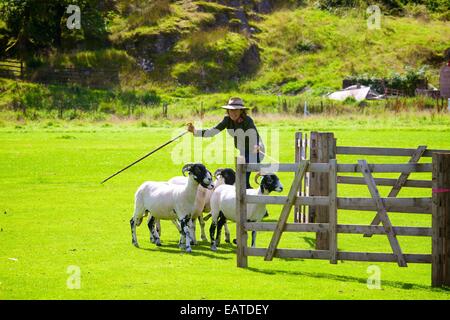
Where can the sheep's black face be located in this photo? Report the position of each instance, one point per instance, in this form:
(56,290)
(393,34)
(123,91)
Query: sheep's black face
(228,174)
(269,183)
(200,174)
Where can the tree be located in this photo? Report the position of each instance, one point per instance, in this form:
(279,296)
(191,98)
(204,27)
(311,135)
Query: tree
(35,25)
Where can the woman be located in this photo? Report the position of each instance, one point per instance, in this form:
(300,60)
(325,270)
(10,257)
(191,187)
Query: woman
(236,119)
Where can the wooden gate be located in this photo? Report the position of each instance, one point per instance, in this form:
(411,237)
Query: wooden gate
(438,205)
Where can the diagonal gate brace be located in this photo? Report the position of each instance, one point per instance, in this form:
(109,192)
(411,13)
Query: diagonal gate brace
(400,183)
(303,166)
(382,213)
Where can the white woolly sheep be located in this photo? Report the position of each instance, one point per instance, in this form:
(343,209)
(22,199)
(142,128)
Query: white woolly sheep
(166,201)
(223,205)
(202,201)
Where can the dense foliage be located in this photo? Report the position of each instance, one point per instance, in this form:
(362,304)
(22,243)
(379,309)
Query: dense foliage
(33,26)
(406,82)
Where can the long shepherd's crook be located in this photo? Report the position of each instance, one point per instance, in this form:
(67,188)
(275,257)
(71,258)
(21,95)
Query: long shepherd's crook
(151,152)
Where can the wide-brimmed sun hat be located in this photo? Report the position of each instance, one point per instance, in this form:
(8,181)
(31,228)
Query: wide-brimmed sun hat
(235,104)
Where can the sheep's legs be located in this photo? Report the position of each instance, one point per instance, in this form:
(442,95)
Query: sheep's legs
(158,226)
(154,236)
(182,237)
(186,224)
(182,241)
(149,225)
(133,233)
(202,227)
(177,224)
(215,240)
(136,221)
(253,238)
(212,232)
(220,223)
(227,232)
(192,229)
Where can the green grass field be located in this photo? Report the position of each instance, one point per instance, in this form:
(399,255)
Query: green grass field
(54,213)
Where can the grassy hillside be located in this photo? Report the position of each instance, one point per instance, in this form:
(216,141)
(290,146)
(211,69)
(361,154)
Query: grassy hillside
(278,49)
(194,54)
(207,45)
(317,48)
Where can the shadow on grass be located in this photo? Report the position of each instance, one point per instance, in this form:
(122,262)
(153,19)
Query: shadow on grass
(200,249)
(328,276)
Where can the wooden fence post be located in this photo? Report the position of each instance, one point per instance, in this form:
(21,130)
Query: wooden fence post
(164,110)
(304,209)
(297,145)
(332,193)
(322,149)
(440,267)
(241,208)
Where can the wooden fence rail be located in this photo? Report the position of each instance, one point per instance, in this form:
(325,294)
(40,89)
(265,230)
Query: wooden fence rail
(91,77)
(341,228)
(83,76)
(385,182)
(341,255)
(377,151)
(11,69)
(405,205)
(347,168)
(438,205)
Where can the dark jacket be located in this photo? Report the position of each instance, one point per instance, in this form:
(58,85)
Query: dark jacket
(246,124)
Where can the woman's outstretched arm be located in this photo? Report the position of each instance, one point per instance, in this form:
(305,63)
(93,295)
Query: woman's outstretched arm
(206,133)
